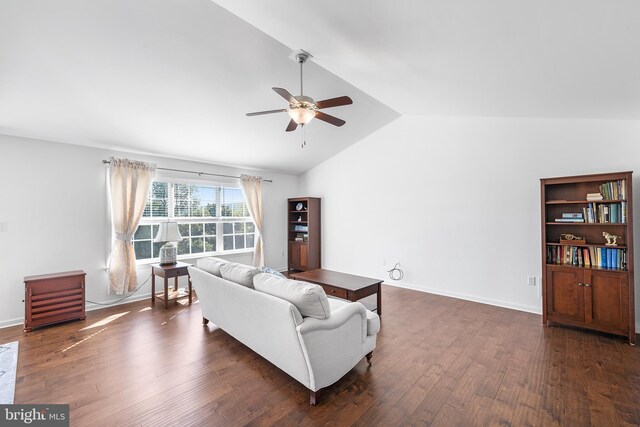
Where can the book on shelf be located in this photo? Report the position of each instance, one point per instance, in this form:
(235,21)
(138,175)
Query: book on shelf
(614,190)
(610,258)
(300,228)
(569,220)
(594,196)
(572,215)
(614,213)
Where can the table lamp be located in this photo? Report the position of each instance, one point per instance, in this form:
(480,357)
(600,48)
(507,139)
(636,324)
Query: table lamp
(168,232)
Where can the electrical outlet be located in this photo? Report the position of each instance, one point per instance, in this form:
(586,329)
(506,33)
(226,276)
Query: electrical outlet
(531,280)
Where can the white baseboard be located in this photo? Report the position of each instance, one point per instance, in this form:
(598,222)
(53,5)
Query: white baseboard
(467,297)
(88,307)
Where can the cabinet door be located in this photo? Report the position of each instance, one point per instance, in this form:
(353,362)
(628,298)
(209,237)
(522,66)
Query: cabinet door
(304,259)
(565,293)
(606,299)
(294,255)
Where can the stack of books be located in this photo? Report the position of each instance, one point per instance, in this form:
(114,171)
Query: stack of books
(591,197)
(615,190)
(571,217)
(304,228)
(614,213)
(612,258)
(301,237)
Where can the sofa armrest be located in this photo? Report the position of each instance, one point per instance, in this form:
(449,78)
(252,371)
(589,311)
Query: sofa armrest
(337,318)
(335,345)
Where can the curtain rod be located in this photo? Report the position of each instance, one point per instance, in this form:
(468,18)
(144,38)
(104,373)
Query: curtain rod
(108,162)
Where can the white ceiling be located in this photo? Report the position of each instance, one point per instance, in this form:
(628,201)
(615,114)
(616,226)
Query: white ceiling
(176,77)
(537,58)
(171,77)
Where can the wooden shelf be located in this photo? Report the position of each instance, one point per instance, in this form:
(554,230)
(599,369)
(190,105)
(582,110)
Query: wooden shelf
(622,224)
(303,254)
(594,297)
(613,270)
(581,202)
(180,293)
(587,245)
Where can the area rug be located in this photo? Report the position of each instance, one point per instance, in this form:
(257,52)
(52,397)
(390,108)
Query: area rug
(8,366)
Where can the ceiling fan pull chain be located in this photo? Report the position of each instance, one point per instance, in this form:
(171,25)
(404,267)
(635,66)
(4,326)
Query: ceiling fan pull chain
(304,140)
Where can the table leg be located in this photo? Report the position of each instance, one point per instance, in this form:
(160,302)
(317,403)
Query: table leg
(166,293)
(175,283)
(189,281)
(153,286)
(380,299)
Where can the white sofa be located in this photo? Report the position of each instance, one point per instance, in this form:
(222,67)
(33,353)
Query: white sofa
(316,352)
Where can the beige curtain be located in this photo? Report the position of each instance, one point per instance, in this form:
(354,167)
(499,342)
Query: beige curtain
(252,187)
(129,182)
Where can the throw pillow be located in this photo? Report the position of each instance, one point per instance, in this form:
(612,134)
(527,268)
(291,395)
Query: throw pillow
(272,271)
(239,273)
(211,265)
(309,299)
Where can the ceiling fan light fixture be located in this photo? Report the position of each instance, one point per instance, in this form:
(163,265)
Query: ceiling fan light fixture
(301,116)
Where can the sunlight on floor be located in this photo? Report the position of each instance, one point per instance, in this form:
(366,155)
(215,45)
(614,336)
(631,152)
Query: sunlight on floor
(105,321)
(85,339)
(144,309)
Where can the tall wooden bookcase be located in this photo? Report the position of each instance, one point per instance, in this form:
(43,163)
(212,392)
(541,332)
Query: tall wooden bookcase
(303,233)
(576,289)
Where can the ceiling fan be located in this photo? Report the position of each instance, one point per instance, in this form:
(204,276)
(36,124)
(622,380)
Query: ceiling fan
(302,109)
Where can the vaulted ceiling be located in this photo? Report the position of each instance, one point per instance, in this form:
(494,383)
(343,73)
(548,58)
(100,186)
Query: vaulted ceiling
(176,77)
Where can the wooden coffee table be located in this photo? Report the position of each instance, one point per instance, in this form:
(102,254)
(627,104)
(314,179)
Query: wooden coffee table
(342,285)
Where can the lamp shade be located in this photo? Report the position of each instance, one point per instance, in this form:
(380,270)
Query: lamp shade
(168,232)
(301,115)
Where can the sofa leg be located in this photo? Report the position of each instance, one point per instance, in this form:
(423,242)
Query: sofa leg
(205,320)
(313,396)
(369,356)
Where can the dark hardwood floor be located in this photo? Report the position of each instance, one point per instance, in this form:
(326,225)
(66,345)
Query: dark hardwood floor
(439,361)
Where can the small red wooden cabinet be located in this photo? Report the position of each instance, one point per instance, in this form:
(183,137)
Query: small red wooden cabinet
(53,298)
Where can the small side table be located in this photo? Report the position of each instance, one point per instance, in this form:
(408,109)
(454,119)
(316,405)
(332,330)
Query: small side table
(168,271)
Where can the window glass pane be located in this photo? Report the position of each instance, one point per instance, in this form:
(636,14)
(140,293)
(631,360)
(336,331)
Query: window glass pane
(233,203)
(160,190)
(183,247)
(196,229)
(159,208)
(228,243)
(156,249)
(155,231)
(210,209)
(209,244)
(197,245)
(238,228)
(239,242)
(250,240)
(184,230)
(251,227)
(210,229)
(227,228)
(142,249)
(182,208)
(143,232)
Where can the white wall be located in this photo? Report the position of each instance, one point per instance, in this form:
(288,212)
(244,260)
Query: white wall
(457,201)
(53,197)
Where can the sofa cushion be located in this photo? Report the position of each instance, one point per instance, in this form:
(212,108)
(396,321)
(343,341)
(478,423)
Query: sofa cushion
(373,323)
(272,271)
(308,298)
(211,265)
(239,273)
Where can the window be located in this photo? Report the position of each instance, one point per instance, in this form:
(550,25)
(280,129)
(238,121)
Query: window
(211,219)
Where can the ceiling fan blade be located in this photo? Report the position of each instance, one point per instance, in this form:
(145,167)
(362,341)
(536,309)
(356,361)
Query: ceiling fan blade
(292,126)
(259,113)
(334,102)
(285,94)
(329,119)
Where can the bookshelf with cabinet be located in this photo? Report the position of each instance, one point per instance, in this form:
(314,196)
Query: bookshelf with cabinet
(303,233)
(585,281)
